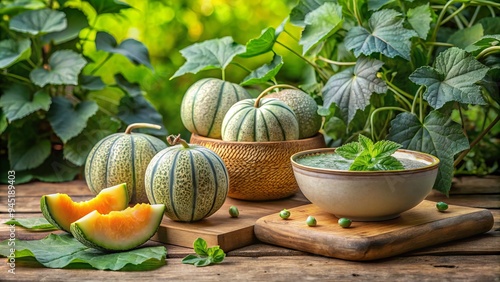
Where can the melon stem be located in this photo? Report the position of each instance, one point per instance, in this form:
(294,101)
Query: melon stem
(176,139)
(266,91)
(140,125)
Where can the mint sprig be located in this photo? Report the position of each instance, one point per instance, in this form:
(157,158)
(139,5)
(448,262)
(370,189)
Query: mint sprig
(367,156)
(205,255)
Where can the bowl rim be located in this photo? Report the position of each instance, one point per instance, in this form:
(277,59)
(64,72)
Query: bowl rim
(255,143)
(433,165)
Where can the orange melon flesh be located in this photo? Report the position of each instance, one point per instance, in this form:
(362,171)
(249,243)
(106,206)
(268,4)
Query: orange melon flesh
(60,210)
(119,230)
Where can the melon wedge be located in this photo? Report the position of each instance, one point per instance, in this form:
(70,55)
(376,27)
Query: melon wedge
(60,210)
(118,230)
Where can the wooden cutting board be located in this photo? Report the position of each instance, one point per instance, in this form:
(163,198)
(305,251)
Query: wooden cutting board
(419,227)
(220,229)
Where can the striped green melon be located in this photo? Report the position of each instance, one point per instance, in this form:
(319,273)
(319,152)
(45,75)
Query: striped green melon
(304,107)
(191,180)
(122,158)
(260,120)
(206,102)
(119,230)
(60,210)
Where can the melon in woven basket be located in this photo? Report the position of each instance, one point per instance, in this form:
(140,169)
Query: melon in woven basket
(260,170)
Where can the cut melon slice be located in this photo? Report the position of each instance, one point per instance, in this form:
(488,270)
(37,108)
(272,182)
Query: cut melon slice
(118,230)
(60,210)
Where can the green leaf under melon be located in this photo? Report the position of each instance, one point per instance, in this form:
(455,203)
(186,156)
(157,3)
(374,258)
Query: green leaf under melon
(264,73)
(437,135)
(420,19)
(64,251)
(262,44)
(18,102)
(26,149)
(209,54)
(453,78)
(134,50)
(36,223)
(320,24)
(76,21)
(38,21)
(352,88)
(108,6)
(68,120)
(386,35)
(64,67)
(12,51)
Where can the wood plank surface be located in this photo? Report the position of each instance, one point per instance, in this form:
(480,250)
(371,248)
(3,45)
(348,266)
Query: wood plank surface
(297,268)
(419,227)
(220,229)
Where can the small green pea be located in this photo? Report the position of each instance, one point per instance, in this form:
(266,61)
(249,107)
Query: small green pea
(233,211)
(311,221)
(285,214)
(344,222)
(441,206)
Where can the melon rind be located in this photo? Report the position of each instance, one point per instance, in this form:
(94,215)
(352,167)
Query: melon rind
(84,230)
(52,210)
(192,182)
(205,104)
(122,158)
(273,120)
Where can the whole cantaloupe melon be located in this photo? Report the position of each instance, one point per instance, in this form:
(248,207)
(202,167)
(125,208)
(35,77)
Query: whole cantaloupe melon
(304,107)
(123,158)
(191,180)
(205,104)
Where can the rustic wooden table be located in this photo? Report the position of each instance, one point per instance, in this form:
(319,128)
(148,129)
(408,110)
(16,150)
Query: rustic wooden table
(472,259)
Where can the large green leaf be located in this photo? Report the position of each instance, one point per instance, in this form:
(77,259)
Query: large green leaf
(304,7)
(264,73)
(76,22)
(385,35)
(262,44)
(352,88)
(420,19)
(132,89)
(14,6)
(18,102)
(68,120)
(374,5)
(55,169)
(33,223)
(26,149)
(320,24)
(60,251)
(63,68)
(98,127)
(108,6)
(452,78)
(137,109)
(39,21)
(12,51)
(484,42)
(437,135)
(209,54)
(134,50)
(91,82)
(464,37)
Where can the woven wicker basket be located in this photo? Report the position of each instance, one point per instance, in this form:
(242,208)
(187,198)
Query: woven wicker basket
(260,170)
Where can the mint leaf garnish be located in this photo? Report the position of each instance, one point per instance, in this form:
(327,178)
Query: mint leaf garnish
(205,256)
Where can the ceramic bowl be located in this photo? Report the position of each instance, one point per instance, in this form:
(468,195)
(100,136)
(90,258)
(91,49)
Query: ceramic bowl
(260,171)
(366,195)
